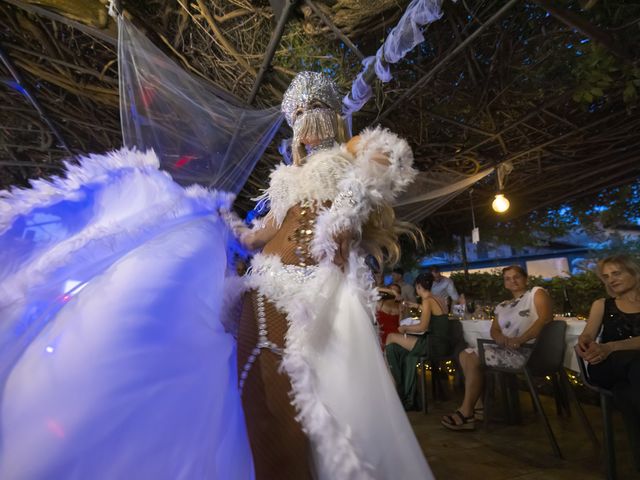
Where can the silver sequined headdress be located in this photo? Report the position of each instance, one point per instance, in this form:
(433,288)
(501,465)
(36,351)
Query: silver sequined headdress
(307,87)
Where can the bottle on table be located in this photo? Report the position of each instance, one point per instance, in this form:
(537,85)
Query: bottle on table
(567,309)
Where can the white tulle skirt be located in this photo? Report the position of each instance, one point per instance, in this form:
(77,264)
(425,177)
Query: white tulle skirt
(114,362)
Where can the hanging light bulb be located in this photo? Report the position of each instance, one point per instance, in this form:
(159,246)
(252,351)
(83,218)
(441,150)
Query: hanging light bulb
(500,203)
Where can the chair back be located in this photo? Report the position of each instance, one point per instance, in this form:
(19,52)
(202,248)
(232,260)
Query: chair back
(548,351)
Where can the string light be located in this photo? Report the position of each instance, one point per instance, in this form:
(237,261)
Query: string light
(448,367)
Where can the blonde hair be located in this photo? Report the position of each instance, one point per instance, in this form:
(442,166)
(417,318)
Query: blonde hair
(627,263)
(381,232)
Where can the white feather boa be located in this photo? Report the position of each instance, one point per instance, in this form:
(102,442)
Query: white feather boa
(315,182)
(363,187)
(354,185)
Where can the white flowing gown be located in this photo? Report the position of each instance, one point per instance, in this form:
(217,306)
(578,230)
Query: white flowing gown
(114,362)
(341,387)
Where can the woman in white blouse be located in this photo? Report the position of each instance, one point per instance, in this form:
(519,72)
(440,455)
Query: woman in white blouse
(518,321)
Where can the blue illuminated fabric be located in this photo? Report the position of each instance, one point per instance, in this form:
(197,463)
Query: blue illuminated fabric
(117,355)
(115,358)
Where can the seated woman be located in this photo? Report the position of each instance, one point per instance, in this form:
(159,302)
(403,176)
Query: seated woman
(404,348)
(388,310)
(518,321)
(614,362)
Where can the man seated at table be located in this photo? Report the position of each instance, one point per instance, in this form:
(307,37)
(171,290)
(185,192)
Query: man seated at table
(518,321)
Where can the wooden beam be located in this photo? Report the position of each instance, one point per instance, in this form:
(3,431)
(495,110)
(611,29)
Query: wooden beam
(598,184)
(31,99)
(458,123)
(339,33)
(522,119)
(10,163)
(566,135)
(107,35)
(274,41)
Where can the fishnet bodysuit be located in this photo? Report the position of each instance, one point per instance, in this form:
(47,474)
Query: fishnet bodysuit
(280,448)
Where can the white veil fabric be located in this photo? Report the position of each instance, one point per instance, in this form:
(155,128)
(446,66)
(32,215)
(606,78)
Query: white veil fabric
(429,192)
(196,130)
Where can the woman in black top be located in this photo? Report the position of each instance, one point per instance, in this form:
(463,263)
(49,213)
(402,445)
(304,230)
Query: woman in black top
(614,362)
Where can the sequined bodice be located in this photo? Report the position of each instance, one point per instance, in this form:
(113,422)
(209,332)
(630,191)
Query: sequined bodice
(291,244)
(618,325)
(292,241)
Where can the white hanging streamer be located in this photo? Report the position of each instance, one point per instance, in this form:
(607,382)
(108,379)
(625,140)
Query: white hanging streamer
(504,169)
(407,33)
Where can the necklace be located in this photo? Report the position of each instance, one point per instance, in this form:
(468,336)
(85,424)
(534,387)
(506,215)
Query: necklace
(323,145)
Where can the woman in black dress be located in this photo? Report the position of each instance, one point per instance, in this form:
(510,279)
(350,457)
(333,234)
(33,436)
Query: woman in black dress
(614,361)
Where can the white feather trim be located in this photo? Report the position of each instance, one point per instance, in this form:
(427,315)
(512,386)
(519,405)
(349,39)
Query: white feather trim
(95,169)
(363,187)
(132,200)
(314,182)
(387,181)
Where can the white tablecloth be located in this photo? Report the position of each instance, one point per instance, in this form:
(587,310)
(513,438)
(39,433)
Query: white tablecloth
(475,329)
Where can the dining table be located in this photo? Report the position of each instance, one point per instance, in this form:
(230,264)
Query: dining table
(479,329)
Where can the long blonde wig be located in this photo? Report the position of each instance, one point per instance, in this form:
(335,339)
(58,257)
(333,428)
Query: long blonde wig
(381,232)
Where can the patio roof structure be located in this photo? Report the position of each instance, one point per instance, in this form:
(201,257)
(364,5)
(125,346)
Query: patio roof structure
(551,87)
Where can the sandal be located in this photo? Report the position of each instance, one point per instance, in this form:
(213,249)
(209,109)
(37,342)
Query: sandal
(478,414)
(467,423)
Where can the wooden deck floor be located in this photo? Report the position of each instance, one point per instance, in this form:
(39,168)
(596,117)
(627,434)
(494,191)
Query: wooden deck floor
(522,452)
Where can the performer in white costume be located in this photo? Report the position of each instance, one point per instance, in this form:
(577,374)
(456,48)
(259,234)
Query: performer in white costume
(117,356)
(309,360)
